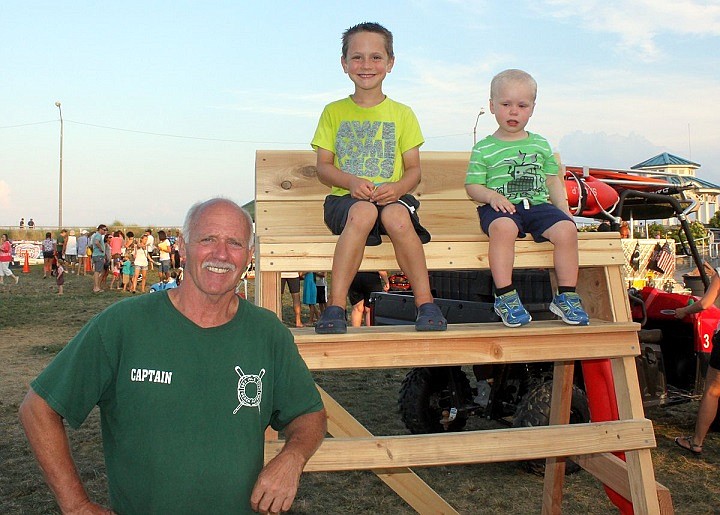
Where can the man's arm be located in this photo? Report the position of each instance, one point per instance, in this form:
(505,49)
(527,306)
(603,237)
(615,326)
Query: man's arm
(278,481)
(46,433)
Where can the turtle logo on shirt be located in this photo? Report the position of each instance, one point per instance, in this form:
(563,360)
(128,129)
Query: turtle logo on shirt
(245,398)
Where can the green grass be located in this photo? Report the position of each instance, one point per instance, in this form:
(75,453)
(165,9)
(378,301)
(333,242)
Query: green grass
(35,323)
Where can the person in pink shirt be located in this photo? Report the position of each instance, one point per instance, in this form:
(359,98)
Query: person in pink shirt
(116,244)
(5,259)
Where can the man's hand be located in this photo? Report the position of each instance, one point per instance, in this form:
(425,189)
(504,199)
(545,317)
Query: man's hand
(277,484)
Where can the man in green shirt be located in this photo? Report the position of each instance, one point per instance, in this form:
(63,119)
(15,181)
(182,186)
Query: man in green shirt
(183,416)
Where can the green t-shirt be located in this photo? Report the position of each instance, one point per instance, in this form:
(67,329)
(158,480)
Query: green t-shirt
(368,142)
(97,243)
(515,169)
(183,409)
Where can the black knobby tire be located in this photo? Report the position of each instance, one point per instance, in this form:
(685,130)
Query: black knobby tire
(534,411)
(425,393)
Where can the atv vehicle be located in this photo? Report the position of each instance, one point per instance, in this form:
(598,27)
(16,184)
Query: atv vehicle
(671,367)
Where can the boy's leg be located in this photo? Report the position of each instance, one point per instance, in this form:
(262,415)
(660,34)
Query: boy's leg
(409,251)
(566,304)
(350,249)
(563,235)
(502,233)
(411,258)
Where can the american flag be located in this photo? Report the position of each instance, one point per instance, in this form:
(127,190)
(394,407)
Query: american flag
(665,258)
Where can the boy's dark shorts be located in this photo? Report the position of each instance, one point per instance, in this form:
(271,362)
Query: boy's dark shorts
(337,208)
(535,220)
(363,285)
(292,282)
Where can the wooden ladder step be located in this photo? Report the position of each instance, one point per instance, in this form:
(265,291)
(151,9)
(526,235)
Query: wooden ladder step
(476,446)
(461,344)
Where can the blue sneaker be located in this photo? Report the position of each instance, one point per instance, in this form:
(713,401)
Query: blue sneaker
(568,307)
(510,309)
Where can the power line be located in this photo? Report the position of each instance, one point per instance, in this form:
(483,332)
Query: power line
(27,124)
(198,138)
(167,135)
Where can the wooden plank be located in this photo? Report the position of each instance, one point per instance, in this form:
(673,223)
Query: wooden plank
(402,346)
(267,291)
(403,481)
(489,446)
(289,175)
(640,469)
(439,255)
(612,471)
(437,216)
(560,406)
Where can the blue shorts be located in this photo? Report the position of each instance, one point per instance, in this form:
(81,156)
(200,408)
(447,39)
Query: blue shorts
(336,209)
(534,220)
(98,264)
(165,265)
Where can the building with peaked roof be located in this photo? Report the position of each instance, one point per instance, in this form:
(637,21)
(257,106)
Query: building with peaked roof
(682,172)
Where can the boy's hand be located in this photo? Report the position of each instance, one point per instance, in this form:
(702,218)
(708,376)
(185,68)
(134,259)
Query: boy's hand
(500,203)
(361,188)
(386,193)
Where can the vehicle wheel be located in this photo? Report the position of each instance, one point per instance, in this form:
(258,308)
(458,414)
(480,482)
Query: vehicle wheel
(534,411)
(425,393)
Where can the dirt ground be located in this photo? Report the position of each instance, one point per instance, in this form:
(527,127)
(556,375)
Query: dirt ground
(35,323)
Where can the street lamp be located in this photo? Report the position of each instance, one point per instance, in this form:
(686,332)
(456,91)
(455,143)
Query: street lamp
(482,112)
(60,184)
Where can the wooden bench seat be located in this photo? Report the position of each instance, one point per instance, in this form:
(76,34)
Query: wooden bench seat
(291,236)
(466,344)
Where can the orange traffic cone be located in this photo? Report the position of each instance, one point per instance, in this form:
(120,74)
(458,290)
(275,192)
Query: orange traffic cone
(88,264)
(26,266)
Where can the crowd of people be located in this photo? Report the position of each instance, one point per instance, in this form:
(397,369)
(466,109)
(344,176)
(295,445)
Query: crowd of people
(123,257)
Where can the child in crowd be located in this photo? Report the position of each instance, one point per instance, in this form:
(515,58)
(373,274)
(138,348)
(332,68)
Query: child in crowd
(116,266)
(368,150)
(127,271)
(309,296)
(515,176)
(60,275)
(321,293)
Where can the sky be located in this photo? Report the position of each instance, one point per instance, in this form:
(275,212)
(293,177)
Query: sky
(165,103)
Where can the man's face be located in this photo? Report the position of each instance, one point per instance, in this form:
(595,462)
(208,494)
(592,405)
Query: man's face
(218,252)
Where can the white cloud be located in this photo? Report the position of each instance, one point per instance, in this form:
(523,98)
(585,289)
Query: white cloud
(637,23)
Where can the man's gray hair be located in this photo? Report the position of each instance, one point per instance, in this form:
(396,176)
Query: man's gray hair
(196,210)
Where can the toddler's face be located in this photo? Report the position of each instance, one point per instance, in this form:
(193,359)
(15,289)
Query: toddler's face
(513,106)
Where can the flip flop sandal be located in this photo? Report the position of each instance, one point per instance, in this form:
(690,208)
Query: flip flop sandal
(332,321)
(695,450)
(430,318)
